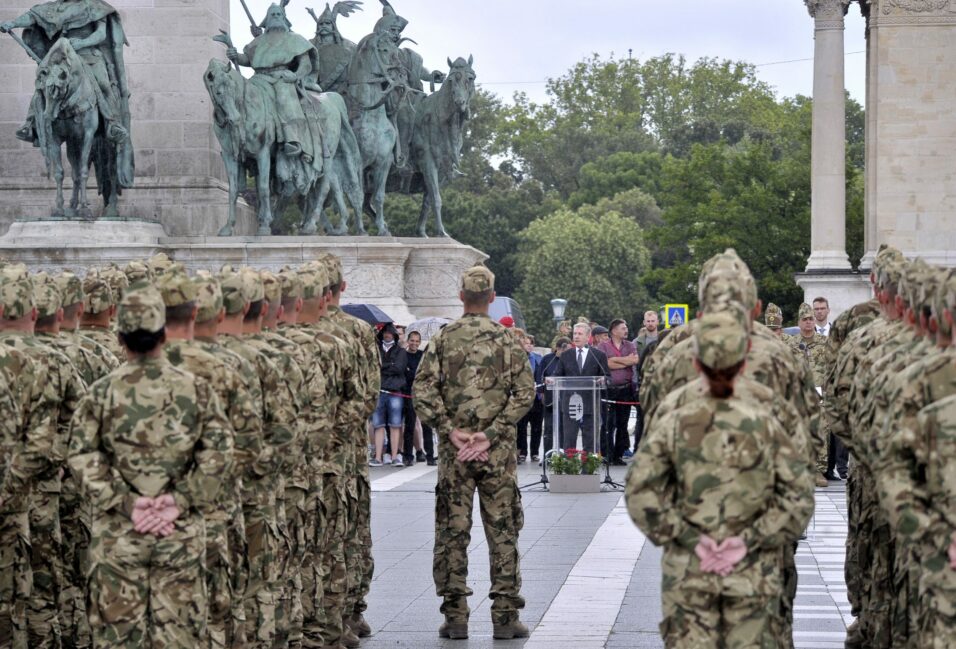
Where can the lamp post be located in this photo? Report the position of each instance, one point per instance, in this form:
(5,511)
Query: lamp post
(558,305)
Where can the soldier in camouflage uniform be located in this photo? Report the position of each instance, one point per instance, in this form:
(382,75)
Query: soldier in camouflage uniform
(150,471)
(279,437)
(29,439)
(180,295)
(247,425)
(73,298)
(811,348)
(722,582)
(473,385)
(99,308)
(358,546)
(63,389)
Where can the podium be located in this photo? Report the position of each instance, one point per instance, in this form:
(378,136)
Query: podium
(577,411)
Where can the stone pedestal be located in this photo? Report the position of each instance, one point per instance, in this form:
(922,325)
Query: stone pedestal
(911,128)
(180,179)
(842,289)
(408,278)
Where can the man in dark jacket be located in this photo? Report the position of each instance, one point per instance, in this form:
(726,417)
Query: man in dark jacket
(547,367)
(388,412)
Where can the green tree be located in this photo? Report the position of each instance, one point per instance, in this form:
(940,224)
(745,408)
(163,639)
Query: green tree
(616,173)
(596,263)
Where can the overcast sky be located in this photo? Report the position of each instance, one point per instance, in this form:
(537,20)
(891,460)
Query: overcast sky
(518,44)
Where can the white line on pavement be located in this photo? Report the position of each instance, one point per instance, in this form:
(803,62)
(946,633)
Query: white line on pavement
(398,477)
(595,588)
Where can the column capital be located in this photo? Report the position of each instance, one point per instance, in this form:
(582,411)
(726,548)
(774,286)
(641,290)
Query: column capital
(827,11)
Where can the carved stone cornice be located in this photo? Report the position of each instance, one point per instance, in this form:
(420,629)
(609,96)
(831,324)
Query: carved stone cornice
(912,12)
(890,7)
(827,14)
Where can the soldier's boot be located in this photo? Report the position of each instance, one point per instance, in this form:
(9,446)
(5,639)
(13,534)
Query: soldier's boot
(359,626)
(854,639)
(509,630)
(821,481)
(349,639)
(453,630)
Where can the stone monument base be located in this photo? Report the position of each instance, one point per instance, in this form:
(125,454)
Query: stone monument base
(408,278)
(841,288)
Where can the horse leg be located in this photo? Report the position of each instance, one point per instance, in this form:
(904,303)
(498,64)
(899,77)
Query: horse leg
(423,214)
(264,162)
(379,177)
(233,169)
(83,173)
(55,156)
(316,206)
(433,191)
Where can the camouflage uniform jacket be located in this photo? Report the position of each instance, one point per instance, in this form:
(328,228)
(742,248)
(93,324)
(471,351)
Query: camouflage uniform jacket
(475,376)
(27,428)
(63,389)
(90,366)
(720,467)
(813,353)
(361,339)
(104,337)
(237,404)
(651,390)
(904,454)
(850,320)
(249,448)
(146,429)
(279,413)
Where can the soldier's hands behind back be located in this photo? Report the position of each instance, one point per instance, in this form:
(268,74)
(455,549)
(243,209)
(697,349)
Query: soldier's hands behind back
(476,449)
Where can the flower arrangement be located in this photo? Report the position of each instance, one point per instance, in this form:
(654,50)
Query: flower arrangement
(572,461)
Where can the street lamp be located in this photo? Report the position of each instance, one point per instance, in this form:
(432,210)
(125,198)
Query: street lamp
(558,306)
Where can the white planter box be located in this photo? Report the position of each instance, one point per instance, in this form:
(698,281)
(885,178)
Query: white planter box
(574,484)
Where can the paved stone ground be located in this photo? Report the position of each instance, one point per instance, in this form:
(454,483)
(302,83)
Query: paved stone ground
(590,579)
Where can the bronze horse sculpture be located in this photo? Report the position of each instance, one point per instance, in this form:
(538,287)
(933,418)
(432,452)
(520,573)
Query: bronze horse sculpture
(248,142)
(67,112)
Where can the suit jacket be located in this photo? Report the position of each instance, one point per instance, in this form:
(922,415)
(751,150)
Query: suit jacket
(595,364)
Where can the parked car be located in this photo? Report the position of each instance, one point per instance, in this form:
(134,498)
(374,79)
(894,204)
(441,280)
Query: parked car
(503,306)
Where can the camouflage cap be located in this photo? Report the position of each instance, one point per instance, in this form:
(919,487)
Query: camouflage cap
(46,295)
(176,286)
(136,271)
(911,280)
(240,288)
(948,293)
(71,288)
(884,255)
(721,340)
(773,316)
(941,296)
(805,311)
(16,291)
(116,279)
(291,284)
(141,309)
(98,296)
(271,287)
(208,296)
(159,263)
(930,287)
(333,265)
(727,284)
(889,272)
(477,279)
(314,279)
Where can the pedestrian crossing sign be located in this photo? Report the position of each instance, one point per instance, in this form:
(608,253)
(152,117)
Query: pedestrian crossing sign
(674,315)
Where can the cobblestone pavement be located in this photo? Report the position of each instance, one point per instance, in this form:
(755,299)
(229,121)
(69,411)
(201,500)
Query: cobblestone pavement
(589,577)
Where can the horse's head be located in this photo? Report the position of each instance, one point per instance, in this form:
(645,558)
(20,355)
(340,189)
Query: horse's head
(59,75)
(461,81)
(224,89)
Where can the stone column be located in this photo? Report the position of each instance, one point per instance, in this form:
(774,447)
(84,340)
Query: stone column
(828,147)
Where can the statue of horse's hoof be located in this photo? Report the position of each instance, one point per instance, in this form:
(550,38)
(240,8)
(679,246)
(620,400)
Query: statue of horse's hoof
(85,213)
(309,228)
(384,232)
(58,212)
(264,231)
(443,233)
(226,231)
(361,233)
(339,232)
(423,234)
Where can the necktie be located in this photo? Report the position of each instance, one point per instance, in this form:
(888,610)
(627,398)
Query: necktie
(580,360)
(820,330)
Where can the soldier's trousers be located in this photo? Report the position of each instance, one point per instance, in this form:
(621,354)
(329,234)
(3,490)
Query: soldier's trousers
(16,579)
(75,526)
(219,580)
(46,562)
(782,623)
(147,591)
(289,614)
(851,566)
(905,605)
(937,594)
(358,551)
(262,547)
(332,574)
(877,619)
(502,518)
(699,620)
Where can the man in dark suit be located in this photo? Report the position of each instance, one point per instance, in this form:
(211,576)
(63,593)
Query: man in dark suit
(581,360)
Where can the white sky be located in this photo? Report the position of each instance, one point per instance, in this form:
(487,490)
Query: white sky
(518,44)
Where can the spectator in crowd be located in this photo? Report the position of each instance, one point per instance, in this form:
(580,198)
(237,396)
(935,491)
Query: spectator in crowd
(388,412)
(647,337)
(535,416)
(599,335)
(622,359)
(547,368)
(582,360)
(821,316)
(413,354)
(401,335)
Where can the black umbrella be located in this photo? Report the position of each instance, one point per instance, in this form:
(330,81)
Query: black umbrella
(368,312)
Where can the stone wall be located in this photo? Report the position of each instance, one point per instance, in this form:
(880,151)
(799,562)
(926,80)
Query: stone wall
(180,180)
